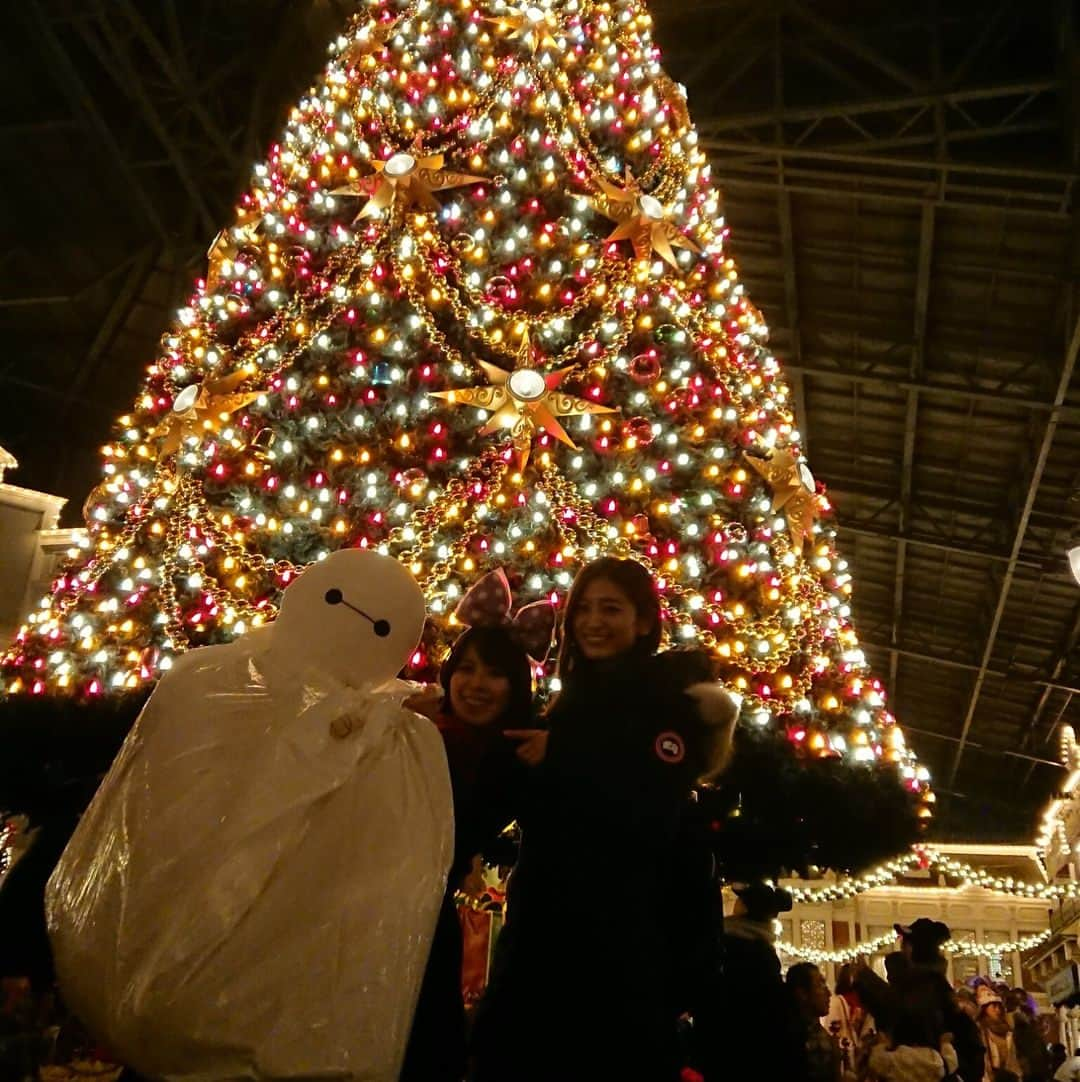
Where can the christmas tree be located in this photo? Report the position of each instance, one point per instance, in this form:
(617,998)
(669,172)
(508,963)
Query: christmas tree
(476,311)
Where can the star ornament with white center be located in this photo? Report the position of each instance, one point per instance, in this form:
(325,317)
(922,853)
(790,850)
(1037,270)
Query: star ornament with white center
(794,492)
(641,219)
(199,408)
(405,179)
(524,402)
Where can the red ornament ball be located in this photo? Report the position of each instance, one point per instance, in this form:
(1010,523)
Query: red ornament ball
(645,368)
(640,430)
(501,290)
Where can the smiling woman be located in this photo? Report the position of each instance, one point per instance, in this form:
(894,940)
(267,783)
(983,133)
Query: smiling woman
(486,678)
(607,620)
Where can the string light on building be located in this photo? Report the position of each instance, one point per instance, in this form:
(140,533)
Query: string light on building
(869,947)
(957,874)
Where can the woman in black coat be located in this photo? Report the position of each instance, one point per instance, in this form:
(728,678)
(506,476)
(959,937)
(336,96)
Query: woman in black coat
(582,984)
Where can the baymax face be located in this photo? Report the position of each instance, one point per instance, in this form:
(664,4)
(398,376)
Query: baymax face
(356,615)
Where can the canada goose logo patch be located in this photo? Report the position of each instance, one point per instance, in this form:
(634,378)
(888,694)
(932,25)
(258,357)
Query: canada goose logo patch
(670,748)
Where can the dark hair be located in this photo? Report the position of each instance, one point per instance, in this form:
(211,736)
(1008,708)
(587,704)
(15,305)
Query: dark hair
(630,578)
(801,976)
(497,648)
(845,979)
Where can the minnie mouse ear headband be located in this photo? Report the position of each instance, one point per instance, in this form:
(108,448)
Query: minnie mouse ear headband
(488,604)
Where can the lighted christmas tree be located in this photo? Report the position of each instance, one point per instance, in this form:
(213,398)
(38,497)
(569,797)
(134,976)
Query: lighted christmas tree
(476,311)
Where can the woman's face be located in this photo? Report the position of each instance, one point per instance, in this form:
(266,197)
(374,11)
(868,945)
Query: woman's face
(478,693)
(605,622)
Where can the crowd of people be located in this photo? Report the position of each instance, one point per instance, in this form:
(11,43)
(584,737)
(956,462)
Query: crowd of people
(913,1026)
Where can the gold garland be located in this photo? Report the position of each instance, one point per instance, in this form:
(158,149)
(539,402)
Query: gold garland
(609,293)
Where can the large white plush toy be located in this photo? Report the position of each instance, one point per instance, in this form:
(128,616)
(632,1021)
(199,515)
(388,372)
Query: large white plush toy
(253,890)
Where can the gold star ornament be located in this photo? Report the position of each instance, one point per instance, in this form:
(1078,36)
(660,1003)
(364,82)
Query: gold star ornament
(533,24)
(369,40)
(675,95)
(224,249)
(525,402)
(642,219)
(199,409)
(794,492)
(405,179)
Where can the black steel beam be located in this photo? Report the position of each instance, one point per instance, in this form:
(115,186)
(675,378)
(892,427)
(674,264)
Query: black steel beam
(1043,453)
(924,386)
(1034,760)
(856,46)
(955,548)
(183,85)
(826,184)
(119,66)
(787,244)
(911,415)
(736,121)
(82,102)
(969,666)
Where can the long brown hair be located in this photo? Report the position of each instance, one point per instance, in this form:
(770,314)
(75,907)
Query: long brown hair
(631,579)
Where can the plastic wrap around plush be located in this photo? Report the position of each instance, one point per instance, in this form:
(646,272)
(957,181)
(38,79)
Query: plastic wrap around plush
(253,891)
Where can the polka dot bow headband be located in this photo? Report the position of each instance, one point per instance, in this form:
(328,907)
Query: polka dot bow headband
(488,604)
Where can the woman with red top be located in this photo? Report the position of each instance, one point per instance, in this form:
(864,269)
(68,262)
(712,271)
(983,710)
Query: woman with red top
(487,690)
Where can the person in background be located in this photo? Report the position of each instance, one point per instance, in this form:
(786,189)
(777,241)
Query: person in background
(877,995)
(486,685)
(1067,1068)
(574,996)
(996,1033)
(967,1037)
(1031,1050)
(848,1020)
(748,1005)
(917,980)
(810,995)
(964,997)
